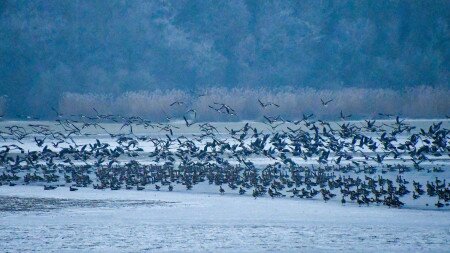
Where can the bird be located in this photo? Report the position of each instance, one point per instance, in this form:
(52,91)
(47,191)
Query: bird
(188,124)
(325,103)
(192,111)
(177,103)
(386,115)
(223,108)
(264,105)
(58,114)
(344,117)
(49,187)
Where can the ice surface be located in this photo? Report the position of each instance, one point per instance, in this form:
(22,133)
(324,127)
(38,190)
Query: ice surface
(178,221)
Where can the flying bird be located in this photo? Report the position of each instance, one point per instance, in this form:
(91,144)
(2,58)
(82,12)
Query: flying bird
(177,103)
(344,117)
(325,103)
(264,105)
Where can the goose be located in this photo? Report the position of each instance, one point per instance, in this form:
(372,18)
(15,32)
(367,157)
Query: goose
(264,105)
(325,103)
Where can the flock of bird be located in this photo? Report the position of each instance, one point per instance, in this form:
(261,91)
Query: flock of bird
(364,162)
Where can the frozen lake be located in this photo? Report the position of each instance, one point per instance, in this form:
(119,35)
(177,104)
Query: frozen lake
(131,221)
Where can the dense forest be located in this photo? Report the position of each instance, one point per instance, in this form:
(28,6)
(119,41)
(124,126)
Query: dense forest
(51,51)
